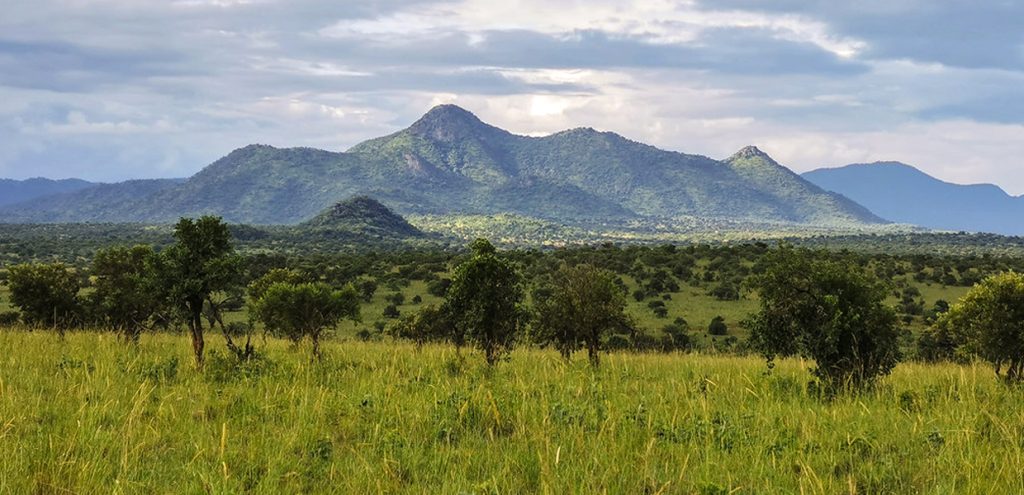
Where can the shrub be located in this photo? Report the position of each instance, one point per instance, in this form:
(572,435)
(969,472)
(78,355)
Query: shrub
(718,326)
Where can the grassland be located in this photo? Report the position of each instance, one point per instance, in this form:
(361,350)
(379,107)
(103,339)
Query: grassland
(90,415)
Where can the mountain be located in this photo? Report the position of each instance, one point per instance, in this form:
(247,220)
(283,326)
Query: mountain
(904,194)
(17,191)
(450,163)
(804,199)
(120,202)
(363,216)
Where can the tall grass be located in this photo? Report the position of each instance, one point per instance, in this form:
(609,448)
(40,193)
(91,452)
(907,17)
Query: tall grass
(91,415)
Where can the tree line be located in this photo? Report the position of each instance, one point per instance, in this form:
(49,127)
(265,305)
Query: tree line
(828,308)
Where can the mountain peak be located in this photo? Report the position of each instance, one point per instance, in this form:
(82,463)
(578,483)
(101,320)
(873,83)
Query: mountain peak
(749,152)
(448,122)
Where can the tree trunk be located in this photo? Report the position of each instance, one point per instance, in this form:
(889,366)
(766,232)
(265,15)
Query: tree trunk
(198,345)
(316,347)
(595,358)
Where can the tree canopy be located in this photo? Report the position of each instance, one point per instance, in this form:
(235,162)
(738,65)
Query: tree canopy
(484,302)
(580,308)
(828,310)
(989,320)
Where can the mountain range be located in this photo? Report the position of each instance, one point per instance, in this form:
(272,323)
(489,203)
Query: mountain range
(451,163)
(17,191)
(903,194)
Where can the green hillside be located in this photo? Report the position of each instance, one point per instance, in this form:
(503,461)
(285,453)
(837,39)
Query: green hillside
(363,216)
(451,163)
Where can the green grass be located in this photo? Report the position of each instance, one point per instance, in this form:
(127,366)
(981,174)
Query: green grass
(5,299)
(90,415)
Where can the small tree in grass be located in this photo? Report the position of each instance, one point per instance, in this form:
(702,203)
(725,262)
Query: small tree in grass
(46,294)
(306,309)
(582,307)
(484,301)
(127,292)
(429,324)
(201,261)
(989,321)
(828,311)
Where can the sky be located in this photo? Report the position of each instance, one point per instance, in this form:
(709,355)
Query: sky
(109,90)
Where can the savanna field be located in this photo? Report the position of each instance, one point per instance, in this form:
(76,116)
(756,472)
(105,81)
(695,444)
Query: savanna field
(89,414)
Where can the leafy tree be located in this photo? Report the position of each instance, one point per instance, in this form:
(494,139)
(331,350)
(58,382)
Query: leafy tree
(674,336)
(273,276)
(201,262)
(306,309)
(484,301)
(430,324)
(584,306)
(439,287)
(127,292)
(830,311)
(725,292)
(391,311)
(367,288)
(989,320)
(395,298)
(46,294)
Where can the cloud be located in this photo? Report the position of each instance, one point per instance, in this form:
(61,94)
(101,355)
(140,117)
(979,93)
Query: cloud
(113,89)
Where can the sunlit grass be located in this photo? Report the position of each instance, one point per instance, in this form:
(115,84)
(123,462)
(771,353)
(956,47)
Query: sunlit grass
(90,415)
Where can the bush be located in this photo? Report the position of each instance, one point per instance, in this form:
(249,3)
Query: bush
(718,326)
(9,318)
(725,292)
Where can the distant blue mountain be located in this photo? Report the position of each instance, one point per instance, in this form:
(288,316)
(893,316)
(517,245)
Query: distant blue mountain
(901,193)
(17,191)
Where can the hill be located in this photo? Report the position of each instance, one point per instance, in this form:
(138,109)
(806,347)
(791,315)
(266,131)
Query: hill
(362,216)
(451,163)
(17,191)
(904,194)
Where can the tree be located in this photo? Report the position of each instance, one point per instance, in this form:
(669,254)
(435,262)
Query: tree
(306,309)
(484,301)
(46,294)
(583,307)
(259,286)
(367,288)
(718,326)
(429,324)
(126,291)
(830,311)
(201,261)
(989,321)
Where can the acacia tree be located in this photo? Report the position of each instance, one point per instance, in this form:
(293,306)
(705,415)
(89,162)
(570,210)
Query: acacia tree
(300,310)
(826,310)
(989,322)
(46,294)
(202,261)
(484,302)
(581,307)
(126,291)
